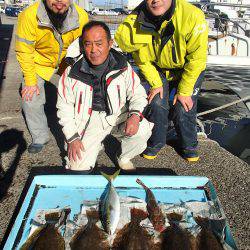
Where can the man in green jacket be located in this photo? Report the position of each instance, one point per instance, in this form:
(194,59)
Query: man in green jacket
(168,42)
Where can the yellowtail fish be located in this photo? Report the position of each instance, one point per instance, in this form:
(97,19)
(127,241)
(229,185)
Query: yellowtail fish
(110,205)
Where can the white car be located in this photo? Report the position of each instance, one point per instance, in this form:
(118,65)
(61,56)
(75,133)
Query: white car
(97,11)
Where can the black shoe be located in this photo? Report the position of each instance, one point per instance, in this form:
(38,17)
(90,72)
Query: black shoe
(150,154)
(35,148)
(190,154)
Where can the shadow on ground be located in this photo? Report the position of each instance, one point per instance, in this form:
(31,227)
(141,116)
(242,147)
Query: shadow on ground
(9,139)
(50,110)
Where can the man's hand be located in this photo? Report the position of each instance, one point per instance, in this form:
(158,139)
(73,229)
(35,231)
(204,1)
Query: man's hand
(154,92)
(132,125)
(186,101)
(28,92)
(74,150)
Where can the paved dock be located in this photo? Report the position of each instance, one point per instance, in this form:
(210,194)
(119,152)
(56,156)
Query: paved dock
(229,174)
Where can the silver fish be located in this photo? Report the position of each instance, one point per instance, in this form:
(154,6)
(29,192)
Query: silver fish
(110,205)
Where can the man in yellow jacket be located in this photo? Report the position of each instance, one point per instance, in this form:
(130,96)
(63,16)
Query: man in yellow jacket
(44,32)
(168,42)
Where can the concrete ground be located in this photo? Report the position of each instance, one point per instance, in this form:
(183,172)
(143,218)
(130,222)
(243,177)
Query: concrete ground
(229,174)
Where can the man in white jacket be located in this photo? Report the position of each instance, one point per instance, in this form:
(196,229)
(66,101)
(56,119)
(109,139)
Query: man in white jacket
(92,95)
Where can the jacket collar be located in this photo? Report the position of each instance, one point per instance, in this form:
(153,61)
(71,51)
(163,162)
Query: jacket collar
(145,23)
(71,21)
(81,70)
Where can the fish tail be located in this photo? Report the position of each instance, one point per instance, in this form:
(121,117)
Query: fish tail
(111,177)
(138,214)
(142,184)
(63,217)
(92,215)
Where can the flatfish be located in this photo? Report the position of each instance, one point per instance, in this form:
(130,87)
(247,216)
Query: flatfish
(133,236)
(207,239)
(90,236)
(48,236)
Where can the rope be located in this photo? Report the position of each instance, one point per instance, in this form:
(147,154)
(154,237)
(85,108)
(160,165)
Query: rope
(224,106)
(202,132)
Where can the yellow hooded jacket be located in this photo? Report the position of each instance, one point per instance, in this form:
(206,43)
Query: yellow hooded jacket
(39,47)
(178,48)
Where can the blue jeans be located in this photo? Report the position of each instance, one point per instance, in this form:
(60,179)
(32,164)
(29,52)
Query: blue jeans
(185,122)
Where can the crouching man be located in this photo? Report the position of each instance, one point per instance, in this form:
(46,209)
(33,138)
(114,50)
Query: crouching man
(91,97)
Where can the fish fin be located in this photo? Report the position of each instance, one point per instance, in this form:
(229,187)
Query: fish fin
(29,243)
(142,184)
(111,177)
(138,214)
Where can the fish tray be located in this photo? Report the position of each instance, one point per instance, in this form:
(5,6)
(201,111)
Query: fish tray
(53,191)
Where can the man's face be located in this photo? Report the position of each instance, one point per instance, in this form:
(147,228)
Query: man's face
(58,6)
(96,45)
(158,7)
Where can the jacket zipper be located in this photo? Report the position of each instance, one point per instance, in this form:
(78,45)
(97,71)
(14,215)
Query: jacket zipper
(109,102)
(89,112)
(173,51)
(153,43)
(60,50)
(79,103)
(119,95)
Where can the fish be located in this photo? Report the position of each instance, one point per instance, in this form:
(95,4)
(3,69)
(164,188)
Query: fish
(109,205)
(133,236)
(174,237)
(45,237)
(155,214)
(48,236)
(177,237)
(207,239)
(90,236)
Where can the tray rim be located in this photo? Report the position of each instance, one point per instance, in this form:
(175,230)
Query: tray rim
(52,180)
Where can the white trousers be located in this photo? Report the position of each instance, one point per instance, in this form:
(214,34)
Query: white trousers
(96,132)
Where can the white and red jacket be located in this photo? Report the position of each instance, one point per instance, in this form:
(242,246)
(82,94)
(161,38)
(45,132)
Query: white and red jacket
(75,93)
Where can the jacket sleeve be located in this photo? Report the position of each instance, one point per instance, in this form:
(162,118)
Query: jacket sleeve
(139,51)
(25,47)
(196,56)
(136,94)
(65,106)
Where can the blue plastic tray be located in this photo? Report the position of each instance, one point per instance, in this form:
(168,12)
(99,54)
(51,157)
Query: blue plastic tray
(46,192)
